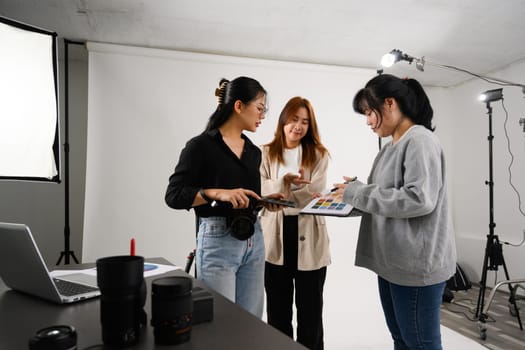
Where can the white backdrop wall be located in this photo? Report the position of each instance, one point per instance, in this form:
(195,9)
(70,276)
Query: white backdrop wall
(144,104)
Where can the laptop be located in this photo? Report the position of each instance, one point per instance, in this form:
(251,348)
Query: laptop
(23,269)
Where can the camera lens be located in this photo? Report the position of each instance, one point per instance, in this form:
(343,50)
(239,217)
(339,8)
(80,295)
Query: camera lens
(242,224)
(242,227)
(54,338)
(171,309)
(123,295)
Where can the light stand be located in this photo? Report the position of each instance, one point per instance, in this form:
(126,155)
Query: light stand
(67,253)
(493,250)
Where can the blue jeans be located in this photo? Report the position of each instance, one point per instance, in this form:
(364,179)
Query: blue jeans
(412,314)
(231,267)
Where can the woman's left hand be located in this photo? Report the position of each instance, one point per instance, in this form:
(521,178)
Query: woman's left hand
(272,206)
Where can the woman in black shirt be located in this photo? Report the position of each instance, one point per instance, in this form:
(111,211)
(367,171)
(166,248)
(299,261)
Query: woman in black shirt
(218,175)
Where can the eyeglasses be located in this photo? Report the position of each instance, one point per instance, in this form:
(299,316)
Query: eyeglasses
(261,108)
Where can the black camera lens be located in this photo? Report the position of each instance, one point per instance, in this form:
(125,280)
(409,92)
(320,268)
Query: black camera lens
(123,295)
(242,227)
(171,309)
(241,223)
(54,338)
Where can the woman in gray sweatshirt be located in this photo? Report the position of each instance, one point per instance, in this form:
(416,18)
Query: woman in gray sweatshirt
(406,234)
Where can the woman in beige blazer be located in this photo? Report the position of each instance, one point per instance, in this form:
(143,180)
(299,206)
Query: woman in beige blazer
(297,246)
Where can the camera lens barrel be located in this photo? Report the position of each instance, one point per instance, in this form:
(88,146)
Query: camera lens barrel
(119,274)
(59,337)
(242,224)
(171,309)
(123,295)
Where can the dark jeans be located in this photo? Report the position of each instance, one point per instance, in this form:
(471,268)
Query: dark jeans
(279,285)
(412,314)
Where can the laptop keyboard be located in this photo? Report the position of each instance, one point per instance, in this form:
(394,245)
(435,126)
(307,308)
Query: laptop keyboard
(68,288)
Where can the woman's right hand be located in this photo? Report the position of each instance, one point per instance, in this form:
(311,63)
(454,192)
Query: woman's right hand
(238,197)
(339,188)
(295,179)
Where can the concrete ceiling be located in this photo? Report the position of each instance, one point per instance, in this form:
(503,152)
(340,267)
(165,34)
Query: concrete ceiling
(477,35)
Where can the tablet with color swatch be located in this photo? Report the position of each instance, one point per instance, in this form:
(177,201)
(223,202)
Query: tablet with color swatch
(328,204)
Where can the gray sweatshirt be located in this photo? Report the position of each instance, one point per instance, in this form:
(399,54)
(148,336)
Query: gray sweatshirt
(406,234)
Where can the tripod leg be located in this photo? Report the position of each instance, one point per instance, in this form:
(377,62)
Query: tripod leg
(66,255)
(483,283)
(74,257)
(512,299)
(60,258)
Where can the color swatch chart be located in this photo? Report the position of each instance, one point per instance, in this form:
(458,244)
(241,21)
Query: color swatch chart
(330,204)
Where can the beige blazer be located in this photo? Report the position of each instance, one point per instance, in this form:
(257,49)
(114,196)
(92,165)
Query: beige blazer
(313,245)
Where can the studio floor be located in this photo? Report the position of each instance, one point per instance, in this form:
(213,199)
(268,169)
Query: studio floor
(359,323)
(503,331)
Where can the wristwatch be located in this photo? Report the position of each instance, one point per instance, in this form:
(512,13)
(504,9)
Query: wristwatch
(204,196)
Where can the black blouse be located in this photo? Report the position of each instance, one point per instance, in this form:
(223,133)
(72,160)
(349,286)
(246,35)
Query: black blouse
(207,162)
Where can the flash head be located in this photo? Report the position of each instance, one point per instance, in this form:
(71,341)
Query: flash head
(491,95)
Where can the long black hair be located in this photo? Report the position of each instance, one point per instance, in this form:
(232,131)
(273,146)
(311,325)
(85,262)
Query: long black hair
(242,88)
(409,94)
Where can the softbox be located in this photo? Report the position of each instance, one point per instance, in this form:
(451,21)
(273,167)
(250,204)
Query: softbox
(29,122)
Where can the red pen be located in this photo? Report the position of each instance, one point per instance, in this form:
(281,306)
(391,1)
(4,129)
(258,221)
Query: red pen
(132,247)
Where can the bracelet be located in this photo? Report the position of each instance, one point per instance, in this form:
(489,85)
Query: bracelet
(204,196)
